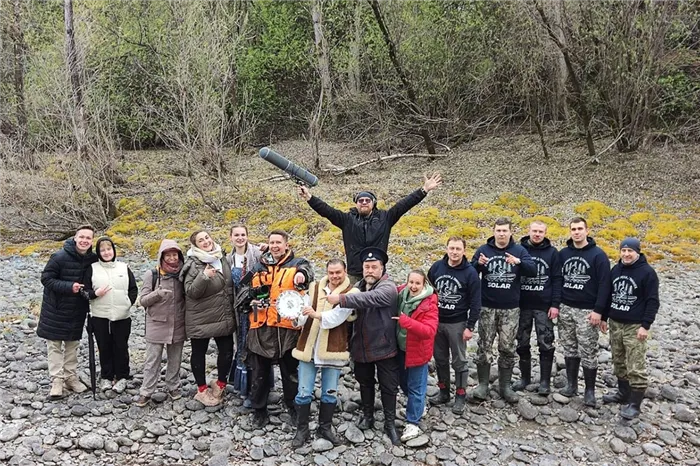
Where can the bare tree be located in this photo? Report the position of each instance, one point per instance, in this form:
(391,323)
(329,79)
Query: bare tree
(355,48)
(73,68)
(406,84)
(325,97)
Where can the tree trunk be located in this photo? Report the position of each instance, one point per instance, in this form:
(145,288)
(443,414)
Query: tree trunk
(577,97)
(79,123)
(321,47)
(355,47)
(400,72)
(19,48)
(560,107)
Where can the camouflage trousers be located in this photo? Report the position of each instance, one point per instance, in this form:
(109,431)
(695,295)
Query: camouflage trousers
(577,337)
(629,354)
(544,328)
(503,322)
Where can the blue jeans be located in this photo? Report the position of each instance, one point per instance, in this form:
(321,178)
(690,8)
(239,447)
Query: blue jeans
(307,379)
(414,384)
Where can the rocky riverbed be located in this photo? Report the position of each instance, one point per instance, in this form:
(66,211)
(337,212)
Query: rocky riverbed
(80,430)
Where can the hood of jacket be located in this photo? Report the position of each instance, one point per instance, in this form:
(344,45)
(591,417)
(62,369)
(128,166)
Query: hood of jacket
(525,242)
(166,245)
(591,244)
(492,243)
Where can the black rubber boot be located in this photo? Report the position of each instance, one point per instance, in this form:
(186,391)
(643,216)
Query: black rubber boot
(589,376)
(461,392)
(303,434)
(634,408)
(389,407)
(505,376)
(525,374)
(621,396)
(546,360)
(260,418)
(325,423)
(292,411)
(572,366)
(443,397)
(367,419)
(481,392)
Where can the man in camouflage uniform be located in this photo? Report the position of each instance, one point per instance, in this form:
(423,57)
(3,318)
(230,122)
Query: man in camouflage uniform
(501,263)
(586,270)
(632,309)
(540,298)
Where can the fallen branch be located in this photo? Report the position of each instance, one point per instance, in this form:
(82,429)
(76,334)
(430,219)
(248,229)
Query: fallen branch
(596,159)
(341,170)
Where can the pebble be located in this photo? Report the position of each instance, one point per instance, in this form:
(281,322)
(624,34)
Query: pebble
(257,453)
(561,399)
(526,410)
(91,441)
(567,414)
(418,442)
(624,433)
(445,453)
(9,433)
(354,435)
(321,444)
(617,445)
(684,414)
(652,449)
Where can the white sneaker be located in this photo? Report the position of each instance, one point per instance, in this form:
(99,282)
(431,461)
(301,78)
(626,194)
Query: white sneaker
(119,386)
(106,385)
(410,432)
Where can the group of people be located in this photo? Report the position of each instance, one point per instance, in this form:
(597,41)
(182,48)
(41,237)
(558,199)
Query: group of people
(355,313)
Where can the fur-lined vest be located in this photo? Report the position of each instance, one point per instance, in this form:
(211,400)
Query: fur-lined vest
(331,344)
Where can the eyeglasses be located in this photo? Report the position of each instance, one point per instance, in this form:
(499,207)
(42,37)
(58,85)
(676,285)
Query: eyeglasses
(364,200)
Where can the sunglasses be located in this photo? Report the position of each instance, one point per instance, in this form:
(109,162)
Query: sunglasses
(364,200)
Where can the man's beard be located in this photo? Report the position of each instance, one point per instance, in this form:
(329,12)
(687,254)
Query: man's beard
(371,280)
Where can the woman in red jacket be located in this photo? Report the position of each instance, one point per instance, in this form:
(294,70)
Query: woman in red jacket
(418,322)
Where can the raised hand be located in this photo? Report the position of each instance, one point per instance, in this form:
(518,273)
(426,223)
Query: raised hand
(429,183)
(511,259)
(103,290)
(304,193)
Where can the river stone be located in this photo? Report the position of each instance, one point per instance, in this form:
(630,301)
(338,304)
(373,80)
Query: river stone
(667,437)
(79,410)
(684,414)
(634,450)
(567,414)
(321,444)
(626,434)
(526,410)
(653,449)
(445,453)
(218,460)
(156,429)
(257,453)
(418,442)
(91,441)
(561,399)
(9,433)
(354,434)
(539,400)
(111,446)
(617,445)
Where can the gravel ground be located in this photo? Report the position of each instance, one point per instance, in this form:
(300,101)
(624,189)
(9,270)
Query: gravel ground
(543,431)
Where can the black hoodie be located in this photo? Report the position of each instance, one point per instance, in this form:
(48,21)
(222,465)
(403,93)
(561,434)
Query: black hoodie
(544,289)
(586,276)
(500,281)
(635,293)
(459,293)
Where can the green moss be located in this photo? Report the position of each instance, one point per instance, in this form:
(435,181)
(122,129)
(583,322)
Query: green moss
(517,202)
(234,215)
(464,231)
(639,218)
(595,212)
(618,230)
(294,226)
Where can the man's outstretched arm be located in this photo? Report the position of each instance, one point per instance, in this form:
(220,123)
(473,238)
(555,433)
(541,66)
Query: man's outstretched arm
(335,216)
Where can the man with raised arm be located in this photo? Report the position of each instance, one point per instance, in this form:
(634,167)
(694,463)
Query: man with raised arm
(365,225)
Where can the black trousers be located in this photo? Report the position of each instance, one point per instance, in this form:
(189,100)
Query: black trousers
(387,373)
(113,344)
(261,386)
(199,355)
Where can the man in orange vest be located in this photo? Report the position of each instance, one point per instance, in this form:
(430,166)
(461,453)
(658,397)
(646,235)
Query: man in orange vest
(270,338)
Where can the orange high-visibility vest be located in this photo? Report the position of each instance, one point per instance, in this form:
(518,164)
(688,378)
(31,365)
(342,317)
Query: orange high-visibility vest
(279,278)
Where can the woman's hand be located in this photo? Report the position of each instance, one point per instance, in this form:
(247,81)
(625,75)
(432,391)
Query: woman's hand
(103,290)
(209,271)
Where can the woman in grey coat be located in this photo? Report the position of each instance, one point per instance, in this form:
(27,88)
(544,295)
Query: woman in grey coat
(163,296)
(208,313)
